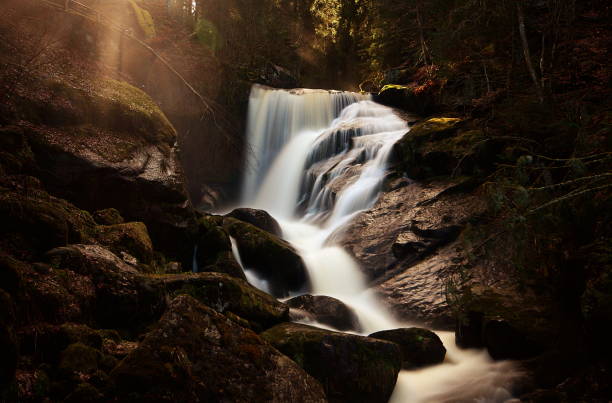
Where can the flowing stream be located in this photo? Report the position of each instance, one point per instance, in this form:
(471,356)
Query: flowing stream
(317,158)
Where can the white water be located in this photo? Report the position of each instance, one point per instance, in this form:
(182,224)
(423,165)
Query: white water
(318,159)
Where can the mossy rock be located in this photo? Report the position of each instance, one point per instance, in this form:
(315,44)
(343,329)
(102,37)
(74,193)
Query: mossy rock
(227,294)
(214,248)
(108,216)
(259,218)
(351,368)
(327,310)
(443,147)
(132,238)
(34,221)
(197,354)
(419,347)
(109,104)
(78,357)
(271,257)
(124,298)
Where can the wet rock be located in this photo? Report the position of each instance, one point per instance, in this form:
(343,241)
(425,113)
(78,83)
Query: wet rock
(327,310)
(108,216)
(197,354)
(351,368)
(227,294)
(214,248)
(271,257)
(131,238)
(407,247)
(259,218)
(419,347)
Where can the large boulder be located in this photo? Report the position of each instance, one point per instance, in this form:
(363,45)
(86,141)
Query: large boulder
(197,354)
(419,347)
(327,311)
(259,218)
(271,257)
(115,133)
(229,295)
(351,368)
(444,147)
(122,296)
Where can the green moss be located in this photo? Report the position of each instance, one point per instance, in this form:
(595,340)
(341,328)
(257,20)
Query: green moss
(144,19)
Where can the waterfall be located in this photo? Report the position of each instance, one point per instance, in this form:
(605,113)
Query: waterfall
(317,158)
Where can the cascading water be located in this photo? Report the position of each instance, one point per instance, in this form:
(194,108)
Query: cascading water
(317,159)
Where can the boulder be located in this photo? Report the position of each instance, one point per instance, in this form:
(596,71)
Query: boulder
(197,354)
(351,368)
(131,238)
(327,310)
(259,218)
(34,221)
(227,294)
(271,257)
(115,133)
(214,248)
(122,296)
(419,347)
(442,147)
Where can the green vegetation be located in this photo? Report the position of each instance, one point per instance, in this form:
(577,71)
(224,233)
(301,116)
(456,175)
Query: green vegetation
(145,21)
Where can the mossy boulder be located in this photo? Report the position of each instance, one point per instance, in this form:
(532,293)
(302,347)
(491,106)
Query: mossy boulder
(227,294)
(197,354)
(123,297)
(419,347)
(214,248)
(327,311)
(131,238)
(259,218)
(351,368)
(114,132)
(271,257)
(34,221)
(109,216)
(444,147)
